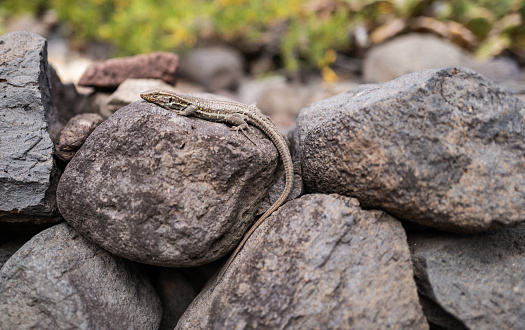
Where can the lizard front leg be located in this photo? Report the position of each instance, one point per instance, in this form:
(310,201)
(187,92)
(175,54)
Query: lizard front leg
(188,110)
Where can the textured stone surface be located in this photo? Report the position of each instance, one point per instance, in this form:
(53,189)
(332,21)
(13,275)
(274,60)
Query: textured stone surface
(111,73)
(75,133)
(129,92)
(443,148)
(175,293)
(28,175)
(59,280)
(319,262)
(477,280)
(214,68)
(164,189)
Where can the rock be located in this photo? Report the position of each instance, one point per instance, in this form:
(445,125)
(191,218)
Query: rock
(474,280)
(319,262)
(68,101)
(164,189)
(101,100)
(111,73)
(324,91)
(276,98)
(414,52)
(9,248)
(410,53)
(214,68)
(129,92)
(286,100)
(443,148)
(251,90)
(75,133)
(503,71)
(28,174)
(59,280)
(277,189)
(176,294)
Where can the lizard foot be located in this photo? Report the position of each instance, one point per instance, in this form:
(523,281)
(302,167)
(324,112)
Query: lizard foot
(241,128)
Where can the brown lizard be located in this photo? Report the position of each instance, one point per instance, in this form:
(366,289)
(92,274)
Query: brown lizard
(237,114)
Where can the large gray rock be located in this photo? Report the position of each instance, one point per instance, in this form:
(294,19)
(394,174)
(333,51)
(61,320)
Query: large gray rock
(319,262)
(164,189)
(443,148)
(28,174)
(59,280)
(472,282)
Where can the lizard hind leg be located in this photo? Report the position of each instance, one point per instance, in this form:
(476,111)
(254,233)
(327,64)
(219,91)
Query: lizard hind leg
(241,128)
(240,125)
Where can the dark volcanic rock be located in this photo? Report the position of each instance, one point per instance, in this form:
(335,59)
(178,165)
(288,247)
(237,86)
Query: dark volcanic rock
(28,174)
(59,280)
(319,262)
(164,189)
(443,148)
(75,133)
(111,73)
(475,280)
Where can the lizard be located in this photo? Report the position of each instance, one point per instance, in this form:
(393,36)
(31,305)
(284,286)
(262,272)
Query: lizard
(239,115)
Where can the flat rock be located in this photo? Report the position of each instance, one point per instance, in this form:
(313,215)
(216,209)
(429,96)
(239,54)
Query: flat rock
(111,73)
(471,281)
(443,148)
(319,262)
(164,189)
(28,174)
(59,280)
(75,133)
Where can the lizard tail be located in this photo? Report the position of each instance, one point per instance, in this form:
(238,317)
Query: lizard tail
(279,202)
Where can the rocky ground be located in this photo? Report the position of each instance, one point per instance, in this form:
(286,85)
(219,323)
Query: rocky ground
(407,210)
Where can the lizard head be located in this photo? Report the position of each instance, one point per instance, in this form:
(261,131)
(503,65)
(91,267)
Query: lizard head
(166,99)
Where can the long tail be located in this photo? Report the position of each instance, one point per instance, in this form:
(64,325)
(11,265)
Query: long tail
(279,202)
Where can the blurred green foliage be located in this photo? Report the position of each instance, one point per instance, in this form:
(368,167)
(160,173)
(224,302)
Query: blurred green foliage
(302,33)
